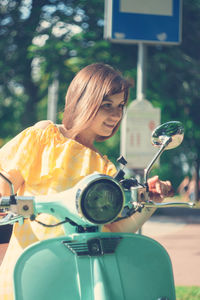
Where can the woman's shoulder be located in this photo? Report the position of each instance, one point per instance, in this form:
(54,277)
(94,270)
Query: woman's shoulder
(48,126)
(48,129)
(43,124)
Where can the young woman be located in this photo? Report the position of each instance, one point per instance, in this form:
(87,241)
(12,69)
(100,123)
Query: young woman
(50,158)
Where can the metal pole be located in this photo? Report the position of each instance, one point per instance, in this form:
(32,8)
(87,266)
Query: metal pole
(141,72)
(53,99)
(141,88)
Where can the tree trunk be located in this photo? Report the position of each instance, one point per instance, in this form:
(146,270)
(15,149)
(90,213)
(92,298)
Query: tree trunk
(30,116)
(197,167)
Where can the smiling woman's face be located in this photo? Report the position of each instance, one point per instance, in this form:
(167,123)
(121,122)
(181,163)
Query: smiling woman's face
(106,119)
(108,115)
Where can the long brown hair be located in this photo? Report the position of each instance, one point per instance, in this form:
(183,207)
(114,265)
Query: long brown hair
(86,93)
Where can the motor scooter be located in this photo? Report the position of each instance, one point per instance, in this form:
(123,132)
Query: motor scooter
(87,263)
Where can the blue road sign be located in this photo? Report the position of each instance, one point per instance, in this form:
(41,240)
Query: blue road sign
(148,21)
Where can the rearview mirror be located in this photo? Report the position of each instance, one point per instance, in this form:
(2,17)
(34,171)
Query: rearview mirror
(173,130)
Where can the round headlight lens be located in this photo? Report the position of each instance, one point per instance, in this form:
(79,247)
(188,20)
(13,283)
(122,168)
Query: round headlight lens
(102,201)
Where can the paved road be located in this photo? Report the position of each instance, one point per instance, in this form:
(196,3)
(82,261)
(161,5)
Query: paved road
(181,238)
(180,235)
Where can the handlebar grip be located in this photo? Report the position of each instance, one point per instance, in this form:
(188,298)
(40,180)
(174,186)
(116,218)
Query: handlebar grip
(5,201)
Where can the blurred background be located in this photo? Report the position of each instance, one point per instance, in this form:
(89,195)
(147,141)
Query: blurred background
(44,43)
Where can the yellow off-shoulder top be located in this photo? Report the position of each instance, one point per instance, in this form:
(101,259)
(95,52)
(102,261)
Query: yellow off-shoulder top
(49,163)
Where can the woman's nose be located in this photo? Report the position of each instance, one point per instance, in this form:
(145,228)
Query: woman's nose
(116,113)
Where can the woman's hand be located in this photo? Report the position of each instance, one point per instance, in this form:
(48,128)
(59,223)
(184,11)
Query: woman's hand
(159,189)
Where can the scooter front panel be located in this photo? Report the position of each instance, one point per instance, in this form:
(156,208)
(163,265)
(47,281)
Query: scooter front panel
(137,267)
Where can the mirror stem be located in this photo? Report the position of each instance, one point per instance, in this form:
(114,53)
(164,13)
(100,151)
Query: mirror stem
(12,193)
(148,169)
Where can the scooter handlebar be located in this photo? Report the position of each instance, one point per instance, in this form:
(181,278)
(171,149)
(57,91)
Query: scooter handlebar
(5,202)
(152,204)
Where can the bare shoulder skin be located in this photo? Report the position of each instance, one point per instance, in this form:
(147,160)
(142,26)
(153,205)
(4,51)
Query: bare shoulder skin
(43,124)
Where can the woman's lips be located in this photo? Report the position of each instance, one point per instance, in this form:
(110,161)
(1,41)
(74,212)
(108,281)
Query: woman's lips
(111,126)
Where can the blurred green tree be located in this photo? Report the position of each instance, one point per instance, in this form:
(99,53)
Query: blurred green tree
(39,38)
(174,83)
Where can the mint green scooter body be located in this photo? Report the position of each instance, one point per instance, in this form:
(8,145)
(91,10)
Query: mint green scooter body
(111,266)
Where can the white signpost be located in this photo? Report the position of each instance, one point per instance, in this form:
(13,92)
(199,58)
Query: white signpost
(139,121)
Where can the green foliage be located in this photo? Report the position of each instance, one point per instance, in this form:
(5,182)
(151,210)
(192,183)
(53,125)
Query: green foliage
(174,86)
(41,38)
(187,293)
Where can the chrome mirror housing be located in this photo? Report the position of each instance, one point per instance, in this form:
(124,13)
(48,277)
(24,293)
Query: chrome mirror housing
(166,136)
(172,131)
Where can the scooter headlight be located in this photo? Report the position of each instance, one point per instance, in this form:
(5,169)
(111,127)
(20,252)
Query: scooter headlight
(101,200)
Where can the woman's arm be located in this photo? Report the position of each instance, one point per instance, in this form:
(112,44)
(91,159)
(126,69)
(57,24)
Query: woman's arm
(158,190)
(15,177)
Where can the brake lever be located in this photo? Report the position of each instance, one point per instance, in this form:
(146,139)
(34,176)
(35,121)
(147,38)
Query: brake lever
(130,182)
(11,218)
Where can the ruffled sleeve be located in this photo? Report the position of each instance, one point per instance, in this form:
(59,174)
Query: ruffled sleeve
(49,162)
(21,152)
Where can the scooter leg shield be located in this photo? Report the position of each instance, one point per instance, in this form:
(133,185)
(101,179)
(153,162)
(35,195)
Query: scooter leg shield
(93,266)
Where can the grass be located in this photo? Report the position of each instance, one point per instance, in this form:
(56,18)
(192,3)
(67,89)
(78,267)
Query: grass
(187,293)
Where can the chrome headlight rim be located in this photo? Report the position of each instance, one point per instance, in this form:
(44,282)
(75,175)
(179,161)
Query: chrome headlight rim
(86,184)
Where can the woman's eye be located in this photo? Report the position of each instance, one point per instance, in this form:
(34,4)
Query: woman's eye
(107,105)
